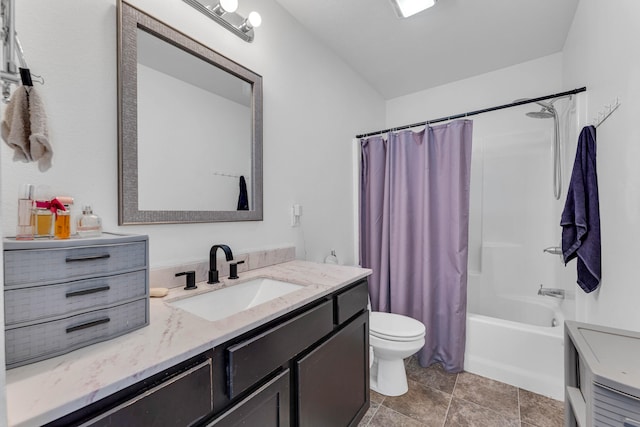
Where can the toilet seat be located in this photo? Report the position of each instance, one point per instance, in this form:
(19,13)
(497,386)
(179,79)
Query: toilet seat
(395,327)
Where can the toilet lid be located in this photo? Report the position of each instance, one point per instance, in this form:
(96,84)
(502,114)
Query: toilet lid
(395,327)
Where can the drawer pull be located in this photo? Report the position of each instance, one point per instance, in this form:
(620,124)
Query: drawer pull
(628,422)
(87,291)
(88,258)
(88,325)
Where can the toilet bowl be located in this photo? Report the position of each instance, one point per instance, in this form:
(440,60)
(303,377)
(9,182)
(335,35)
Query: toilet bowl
(393,338)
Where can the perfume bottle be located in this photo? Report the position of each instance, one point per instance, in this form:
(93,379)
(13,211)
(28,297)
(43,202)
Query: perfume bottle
(26,222)
(43,213)
(89,224)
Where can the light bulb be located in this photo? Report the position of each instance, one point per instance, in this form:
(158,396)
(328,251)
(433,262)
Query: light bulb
(229,6)
(224,6)
(255,20)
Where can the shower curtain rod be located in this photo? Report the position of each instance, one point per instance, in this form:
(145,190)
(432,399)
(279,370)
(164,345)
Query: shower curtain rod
(473,113)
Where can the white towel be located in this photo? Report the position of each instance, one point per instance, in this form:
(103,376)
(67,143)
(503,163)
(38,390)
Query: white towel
(24,128)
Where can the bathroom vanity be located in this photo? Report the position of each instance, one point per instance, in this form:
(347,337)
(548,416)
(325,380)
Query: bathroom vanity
(300,359)
(602,376)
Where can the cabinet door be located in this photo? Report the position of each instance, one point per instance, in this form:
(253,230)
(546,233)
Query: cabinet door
(333,380)
(177,402)
(266,407)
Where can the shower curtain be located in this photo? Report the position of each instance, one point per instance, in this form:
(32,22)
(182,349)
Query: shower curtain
(414,220)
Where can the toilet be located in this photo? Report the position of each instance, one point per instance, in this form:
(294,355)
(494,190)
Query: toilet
(393,338)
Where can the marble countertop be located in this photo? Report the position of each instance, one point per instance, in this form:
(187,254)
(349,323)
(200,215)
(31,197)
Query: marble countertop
(47,390)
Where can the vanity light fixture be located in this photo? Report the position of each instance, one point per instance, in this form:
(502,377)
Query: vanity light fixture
(224,13)
(406,8)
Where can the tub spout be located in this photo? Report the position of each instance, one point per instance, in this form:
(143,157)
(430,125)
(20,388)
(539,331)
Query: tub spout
(553,250)
(551,292)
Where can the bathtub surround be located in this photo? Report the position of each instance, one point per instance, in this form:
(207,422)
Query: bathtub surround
(580,219)
(414,231)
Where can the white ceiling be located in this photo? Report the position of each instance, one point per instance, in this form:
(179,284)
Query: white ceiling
(453,40)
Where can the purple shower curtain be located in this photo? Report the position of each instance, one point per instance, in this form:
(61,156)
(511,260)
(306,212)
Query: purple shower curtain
(414,222)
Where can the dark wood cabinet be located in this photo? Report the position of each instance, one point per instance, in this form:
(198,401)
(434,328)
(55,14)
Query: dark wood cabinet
(307,368)
(269,406)
(180,396)
(332,381)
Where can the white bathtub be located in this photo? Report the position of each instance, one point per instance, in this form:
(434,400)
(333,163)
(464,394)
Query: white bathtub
(512,340)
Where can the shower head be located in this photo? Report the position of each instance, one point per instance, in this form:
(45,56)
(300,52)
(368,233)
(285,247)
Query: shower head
(542,114)
(547,111)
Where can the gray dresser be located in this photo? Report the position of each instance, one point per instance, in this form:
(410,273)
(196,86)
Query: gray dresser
(60,295)
(602,376)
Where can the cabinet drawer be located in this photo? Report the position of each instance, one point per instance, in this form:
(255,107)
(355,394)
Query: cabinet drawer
(266,407)
(38,266)
(351,302)
(253,359)
(177,402)
(40,302)
(614,408)
(48,339)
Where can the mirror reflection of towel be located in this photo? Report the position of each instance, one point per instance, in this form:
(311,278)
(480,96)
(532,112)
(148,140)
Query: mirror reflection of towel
(243,198)
(24,128)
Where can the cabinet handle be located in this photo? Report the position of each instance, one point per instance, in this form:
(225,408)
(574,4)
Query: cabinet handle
(628,422)
(87,291)
(88,258)
(88,325)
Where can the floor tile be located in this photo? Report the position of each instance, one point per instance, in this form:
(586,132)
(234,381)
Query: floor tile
(386,417)
(468,414)
(540,411)
(433,376)
(488,393)
(369,414)
(424,404)
(376,397)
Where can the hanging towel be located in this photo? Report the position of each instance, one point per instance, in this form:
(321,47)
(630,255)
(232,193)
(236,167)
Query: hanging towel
(41,151)
(580,218)
(24,128)
(16,127)
(243,198)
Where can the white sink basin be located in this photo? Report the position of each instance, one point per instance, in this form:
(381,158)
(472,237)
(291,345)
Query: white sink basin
(224,302)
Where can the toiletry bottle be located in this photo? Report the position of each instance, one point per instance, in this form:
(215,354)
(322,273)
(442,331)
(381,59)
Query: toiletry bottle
(62,228)
(332,259)
(89,224)
(24,229)
(63,224)
(43,213)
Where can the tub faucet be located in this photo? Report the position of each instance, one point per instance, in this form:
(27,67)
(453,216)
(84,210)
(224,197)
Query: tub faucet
(213,270)
(551,292)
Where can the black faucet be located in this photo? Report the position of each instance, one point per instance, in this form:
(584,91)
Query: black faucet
(213,270)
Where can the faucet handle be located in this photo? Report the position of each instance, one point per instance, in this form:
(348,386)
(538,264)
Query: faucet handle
(191,279)
(233,269)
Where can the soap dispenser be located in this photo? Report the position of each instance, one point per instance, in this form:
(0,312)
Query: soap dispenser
(89,224)
(332,259)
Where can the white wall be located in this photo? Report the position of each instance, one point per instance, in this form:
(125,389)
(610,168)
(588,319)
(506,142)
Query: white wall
(313,105)
(601,52)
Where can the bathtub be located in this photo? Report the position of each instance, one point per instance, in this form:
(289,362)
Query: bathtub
(519,341)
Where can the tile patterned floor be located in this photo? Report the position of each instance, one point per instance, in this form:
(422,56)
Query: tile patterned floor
(437,398)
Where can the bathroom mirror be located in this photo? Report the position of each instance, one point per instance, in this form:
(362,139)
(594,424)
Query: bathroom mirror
(189,128)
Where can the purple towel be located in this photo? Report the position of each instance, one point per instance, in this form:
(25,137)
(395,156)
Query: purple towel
(580,219)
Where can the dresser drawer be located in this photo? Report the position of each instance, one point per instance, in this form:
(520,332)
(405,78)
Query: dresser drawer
(48,339)
(64,299)
(614,408)
(39,266)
